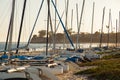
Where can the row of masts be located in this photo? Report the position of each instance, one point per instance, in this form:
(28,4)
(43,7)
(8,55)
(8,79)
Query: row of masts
(92,24)
(108,27)
(49,23)
(8,44)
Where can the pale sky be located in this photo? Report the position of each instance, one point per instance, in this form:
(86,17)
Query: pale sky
(32,9)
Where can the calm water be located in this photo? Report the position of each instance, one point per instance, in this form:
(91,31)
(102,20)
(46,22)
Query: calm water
(40,45)
(2,45)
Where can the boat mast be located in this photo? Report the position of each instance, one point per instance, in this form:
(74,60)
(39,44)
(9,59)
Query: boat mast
(51,26)
(116,32)
(77,21)
(48,18)
(111,23)
(66,17)
(18,43)
(66,7)
(108,27)
(119,23)
(79,26)
(92,25)
(72,19)
(101,35)
(54,34)
(10,29)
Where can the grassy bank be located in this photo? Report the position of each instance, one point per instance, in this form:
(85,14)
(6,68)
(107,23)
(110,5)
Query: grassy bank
(108,68)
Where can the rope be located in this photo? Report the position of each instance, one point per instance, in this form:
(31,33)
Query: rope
(35,23)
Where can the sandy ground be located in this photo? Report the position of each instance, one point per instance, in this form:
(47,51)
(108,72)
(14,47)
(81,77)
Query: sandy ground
(70,74)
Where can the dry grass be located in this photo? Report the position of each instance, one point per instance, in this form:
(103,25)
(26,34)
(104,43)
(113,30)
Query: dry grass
(107,69)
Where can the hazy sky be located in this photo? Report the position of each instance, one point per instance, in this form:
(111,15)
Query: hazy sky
(32,9)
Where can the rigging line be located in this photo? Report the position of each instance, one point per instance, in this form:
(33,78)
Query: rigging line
(35,23)
(63,25)
(23,47)
(19,36)
(59,22)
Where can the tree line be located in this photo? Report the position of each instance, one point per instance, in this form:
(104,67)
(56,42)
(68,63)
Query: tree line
(83,37)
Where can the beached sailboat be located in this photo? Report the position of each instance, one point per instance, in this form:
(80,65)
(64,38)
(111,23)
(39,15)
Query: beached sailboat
(22,72)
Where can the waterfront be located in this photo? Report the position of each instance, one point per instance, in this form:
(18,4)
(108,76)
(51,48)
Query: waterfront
(43,45)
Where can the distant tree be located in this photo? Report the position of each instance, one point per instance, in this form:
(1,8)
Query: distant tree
(96,37)
(97,33)
(82,34)
(50,33)
(34,36)
(70,32)
(42,33)
(59,37)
